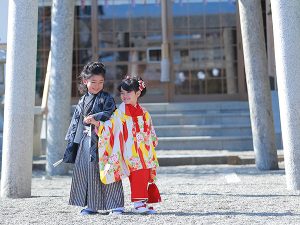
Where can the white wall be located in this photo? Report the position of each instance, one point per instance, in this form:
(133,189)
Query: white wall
(3,20)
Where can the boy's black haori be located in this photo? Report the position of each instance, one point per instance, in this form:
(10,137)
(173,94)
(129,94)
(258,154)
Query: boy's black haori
(71,152)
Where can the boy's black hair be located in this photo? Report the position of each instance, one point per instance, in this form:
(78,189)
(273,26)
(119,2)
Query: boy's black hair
(89,70)
(132,84)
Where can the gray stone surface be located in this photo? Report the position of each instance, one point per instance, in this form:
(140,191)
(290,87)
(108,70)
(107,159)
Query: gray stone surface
(191,195)
(225,106)
(59,101)
(286,28)
(201,119)
(258,85)
(19,99)
(206,142)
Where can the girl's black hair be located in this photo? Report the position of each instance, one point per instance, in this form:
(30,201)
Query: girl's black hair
(133,84)
(89,70)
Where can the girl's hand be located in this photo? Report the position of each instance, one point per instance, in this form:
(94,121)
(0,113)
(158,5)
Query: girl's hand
(152,175)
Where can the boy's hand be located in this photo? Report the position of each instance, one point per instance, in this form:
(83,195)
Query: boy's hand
(90,120)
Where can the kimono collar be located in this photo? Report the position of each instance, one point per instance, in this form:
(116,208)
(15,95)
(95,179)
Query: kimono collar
(130,110)
(90,94)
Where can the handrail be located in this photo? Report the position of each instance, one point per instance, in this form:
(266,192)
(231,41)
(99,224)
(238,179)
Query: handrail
(44,105)
(46,86)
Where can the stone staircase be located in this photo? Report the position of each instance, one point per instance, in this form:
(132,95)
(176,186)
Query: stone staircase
(203,126)
(200,133)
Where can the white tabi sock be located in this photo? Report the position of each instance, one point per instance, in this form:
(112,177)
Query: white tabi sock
(138,204)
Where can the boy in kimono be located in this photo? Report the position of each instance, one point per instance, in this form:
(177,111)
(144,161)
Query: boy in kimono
(86,188)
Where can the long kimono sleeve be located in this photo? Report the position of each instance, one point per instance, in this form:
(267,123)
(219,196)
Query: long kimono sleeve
(112,166)
(108,109)
(152,132)
(106,138)
(72,130)
(153,177)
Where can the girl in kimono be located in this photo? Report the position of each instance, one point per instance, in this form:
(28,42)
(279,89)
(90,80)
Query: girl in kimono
(86,188)
(127,145)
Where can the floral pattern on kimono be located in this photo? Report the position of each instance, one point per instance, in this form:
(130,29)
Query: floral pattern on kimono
(123,147)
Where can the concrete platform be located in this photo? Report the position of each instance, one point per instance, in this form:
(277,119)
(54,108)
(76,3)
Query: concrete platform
(206,157)
(191,157)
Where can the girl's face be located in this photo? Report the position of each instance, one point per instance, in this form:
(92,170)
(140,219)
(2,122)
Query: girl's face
(94,84)
(129,97)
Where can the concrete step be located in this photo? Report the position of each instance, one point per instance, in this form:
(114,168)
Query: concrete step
(206,157)
(233,143)
(230,106)
(205,142)
(198,107)
(201,119)
(203,130)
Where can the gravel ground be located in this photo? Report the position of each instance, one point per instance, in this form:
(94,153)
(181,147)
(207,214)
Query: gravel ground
(216,194)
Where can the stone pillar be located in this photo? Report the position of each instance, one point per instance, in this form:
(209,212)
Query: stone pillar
(231,78)
(165,47)
(133,63)
(286,20)
(59,101)
(258,85)
(19,99)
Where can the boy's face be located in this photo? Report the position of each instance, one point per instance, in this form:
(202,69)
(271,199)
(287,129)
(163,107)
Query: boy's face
(129,97)
(94,84)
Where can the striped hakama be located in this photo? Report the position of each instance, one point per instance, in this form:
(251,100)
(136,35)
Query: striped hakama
(87,189)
